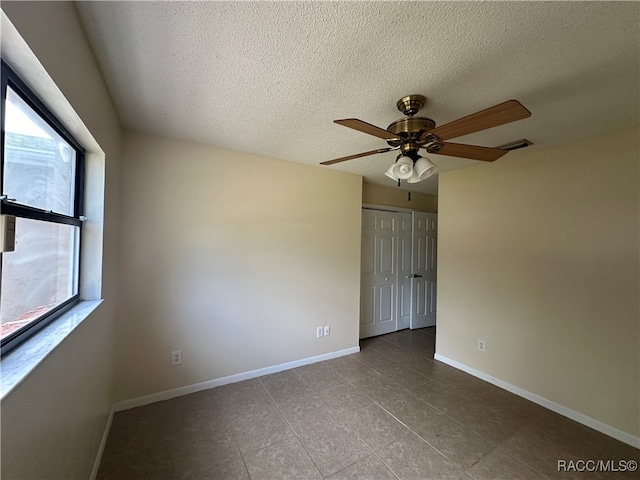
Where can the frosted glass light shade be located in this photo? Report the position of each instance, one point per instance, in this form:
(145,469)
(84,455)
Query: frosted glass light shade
(389,173)
(423,168)
(415,178)
(403,168)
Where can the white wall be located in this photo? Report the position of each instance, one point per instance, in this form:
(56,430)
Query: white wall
(53,422)
(539,257)
(232,258)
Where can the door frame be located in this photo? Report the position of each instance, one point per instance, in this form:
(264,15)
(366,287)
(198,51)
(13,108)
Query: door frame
(391,209)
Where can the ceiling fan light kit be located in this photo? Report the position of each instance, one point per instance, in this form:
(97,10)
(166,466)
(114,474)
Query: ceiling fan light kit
(412,133)
(413,171)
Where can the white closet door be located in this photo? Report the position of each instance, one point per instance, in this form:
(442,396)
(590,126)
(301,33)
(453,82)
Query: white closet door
(379,273)
(425,235)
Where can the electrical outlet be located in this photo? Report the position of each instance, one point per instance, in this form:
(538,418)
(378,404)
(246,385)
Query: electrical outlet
(327,330)
(319,332)
(176,357)
(481,345)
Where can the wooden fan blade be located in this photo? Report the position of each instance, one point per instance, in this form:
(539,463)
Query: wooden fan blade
(357,155)
(506,112)
(474,152)
(365,127)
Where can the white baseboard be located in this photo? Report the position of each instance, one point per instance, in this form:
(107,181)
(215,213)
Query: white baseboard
(103,443)
(197,387)
(556,407)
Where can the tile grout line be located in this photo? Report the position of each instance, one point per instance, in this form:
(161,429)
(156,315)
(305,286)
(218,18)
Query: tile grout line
(495,446)
(336,416)
(516,459)
(417,435)
(399,421)
(373,452)
(412,431)
(460,467)
(295,434)
(238,443)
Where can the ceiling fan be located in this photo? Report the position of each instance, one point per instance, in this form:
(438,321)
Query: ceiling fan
(412,133)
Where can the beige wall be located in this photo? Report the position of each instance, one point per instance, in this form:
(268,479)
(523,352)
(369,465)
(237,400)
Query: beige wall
(538,256)
(232,258)
(53,422)
(396,197)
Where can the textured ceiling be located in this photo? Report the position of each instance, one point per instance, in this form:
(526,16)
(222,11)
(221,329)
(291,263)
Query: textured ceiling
(270,77)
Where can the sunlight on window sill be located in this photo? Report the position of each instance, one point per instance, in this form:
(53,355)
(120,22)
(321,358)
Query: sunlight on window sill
(17,366)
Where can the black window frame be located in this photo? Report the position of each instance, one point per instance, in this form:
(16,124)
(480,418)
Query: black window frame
(10,79)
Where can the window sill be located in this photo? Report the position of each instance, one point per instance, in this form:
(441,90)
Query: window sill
(17,365)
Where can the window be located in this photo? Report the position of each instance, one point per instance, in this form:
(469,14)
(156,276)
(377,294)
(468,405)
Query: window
(42,174)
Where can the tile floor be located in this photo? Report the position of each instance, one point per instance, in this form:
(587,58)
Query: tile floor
(388,412)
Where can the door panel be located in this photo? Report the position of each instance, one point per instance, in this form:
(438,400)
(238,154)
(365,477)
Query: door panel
(405,260)
(422,298)
(378,291)
(368,255)
(387,257)
(386,307)
(404,299)
(367,305)
(424,269)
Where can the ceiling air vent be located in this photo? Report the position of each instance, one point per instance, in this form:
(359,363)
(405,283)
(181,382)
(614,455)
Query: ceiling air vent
(515,145)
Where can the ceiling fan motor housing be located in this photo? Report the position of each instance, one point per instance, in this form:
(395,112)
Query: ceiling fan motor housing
(410,129)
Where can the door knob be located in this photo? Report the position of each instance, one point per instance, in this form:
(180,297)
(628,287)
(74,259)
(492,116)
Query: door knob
(415,275)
